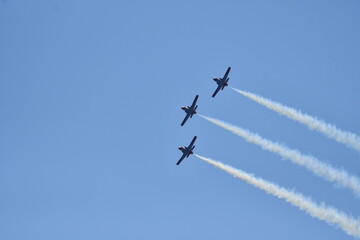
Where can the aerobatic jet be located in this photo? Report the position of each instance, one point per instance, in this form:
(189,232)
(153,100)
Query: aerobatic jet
(190,110)
(187,151)
(222,82)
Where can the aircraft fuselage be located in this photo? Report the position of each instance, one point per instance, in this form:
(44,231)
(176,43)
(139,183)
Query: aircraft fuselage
(188,110)
(185,150)
(221,82)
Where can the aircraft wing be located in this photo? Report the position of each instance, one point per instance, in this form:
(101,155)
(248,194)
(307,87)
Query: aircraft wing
(180,160)
(185,119)
(192,142)
(194,102)
(226,74)
(216,91)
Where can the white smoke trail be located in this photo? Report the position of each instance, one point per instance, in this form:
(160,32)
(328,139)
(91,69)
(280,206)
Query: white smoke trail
(329,130)
(311,163)
(329,214)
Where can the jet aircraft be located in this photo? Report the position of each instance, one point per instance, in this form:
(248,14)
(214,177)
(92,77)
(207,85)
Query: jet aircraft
(190,110)
(221,82)
(187,151)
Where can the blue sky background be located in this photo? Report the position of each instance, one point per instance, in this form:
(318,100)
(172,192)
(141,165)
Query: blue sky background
(90,96)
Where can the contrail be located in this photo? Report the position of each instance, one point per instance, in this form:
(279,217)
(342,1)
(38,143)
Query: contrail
(311,163)
(329,214)
(329,130)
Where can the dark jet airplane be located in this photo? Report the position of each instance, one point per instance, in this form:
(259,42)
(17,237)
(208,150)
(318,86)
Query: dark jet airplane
(187,151)
(190,110)
(221,82)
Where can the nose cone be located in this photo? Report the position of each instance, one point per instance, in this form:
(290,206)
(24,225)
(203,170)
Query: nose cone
(183,108)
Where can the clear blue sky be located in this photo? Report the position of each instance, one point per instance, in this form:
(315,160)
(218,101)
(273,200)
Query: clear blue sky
(90,96)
